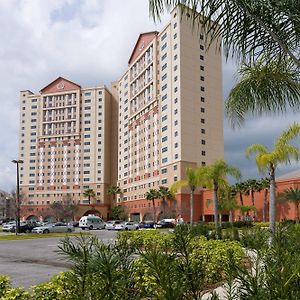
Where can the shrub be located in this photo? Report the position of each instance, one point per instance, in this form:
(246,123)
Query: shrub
(240,224)
(16,294)
(4,284)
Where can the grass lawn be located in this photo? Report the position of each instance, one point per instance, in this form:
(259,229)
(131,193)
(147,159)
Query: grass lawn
(25,236)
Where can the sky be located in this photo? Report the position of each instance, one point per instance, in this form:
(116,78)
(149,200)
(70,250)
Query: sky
(89,42)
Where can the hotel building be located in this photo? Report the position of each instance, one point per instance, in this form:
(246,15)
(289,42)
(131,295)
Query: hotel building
(165,114)
(65,143)
(170,113)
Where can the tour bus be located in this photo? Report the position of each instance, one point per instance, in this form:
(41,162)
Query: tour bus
(91,222)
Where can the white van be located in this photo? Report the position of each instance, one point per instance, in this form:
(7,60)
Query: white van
(91,222)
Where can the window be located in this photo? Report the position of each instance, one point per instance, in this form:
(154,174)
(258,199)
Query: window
(87,94)
(201,57)
(203,153)
(176,156)
(163,67)
(202,68)
(175,167)
(164,139)
(164,171)
(164,56)
(175,25)
(86,136)
(175,46)
(163,36)
(175,57)
(164,87)
(175,111)
(87,101)
(203,121)
(202,89)
(163,46)
(202,109)
(202,78)
(164,77)
(164,118)
(203,142)
(175,67)
(176,89)
(164,181)
(176,133)
(165,149)
(87,108)
(164,128)
(164,107)
(164,97)
(176,145)
(175,36)
(203,131)
(202,99)
(175,100)
(87,129)
(164,160)
(201,47)
(175,78)
(176,122)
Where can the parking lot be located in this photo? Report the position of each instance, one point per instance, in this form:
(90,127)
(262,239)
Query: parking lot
(33,261)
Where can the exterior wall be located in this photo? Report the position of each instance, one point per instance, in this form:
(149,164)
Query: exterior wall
(65,143)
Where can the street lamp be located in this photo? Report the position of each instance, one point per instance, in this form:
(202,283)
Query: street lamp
(17,162)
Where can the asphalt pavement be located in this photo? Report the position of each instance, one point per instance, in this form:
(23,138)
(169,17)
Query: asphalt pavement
(32,261)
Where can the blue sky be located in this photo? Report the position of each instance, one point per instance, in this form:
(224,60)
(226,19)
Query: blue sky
(89,42)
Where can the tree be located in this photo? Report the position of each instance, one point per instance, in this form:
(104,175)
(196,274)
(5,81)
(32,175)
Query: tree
(89,193)
(114,190)
(241,189)
(215,176)
(165,194)
(248,29)
(292,195)
(263,87)
(151,195)
(118,213)
(253,186)
(268,160)
(227,201)
(265,185)
(194,178)
(64,210)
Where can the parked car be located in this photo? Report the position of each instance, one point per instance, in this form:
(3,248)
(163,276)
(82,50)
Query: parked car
(127,226)
(147,224)
(165,224)
(74,223)
(91,222)
(110,225)
(53,228)
(25,227)
(8,226)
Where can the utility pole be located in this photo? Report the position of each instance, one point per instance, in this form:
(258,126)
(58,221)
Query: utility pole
(17,162)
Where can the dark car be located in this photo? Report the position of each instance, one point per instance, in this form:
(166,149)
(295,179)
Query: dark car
(165,224)
(25,227)
(147,224)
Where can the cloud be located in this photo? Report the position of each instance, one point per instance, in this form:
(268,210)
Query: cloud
(88,42)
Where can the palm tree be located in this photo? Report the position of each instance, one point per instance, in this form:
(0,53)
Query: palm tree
(241,189)
(165,194)
(253,186)
(248,29)
(114,190)
(263,87)
(194,178)
(215,176)
(151,195)
(268,160)
(227,201)
(265,185)
(292,195)
(89,193)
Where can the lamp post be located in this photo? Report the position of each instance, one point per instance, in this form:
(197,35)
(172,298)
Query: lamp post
(17,162)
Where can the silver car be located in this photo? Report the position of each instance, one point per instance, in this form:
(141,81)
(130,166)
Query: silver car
(127,226)
(53,228)
(110,225)
(7,227)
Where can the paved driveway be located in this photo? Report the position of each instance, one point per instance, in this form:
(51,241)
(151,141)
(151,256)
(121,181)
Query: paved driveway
(30,262)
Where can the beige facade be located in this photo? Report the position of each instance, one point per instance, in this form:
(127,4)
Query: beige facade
(170,109)
(65,143)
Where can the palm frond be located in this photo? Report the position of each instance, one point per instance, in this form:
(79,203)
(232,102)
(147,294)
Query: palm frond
(264,87)
(256,148)
(178,185)
(287,135)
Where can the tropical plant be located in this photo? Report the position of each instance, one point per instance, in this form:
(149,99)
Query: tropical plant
(248,29)
(114,190)
(265,185)
(215,177)
(90,194)
(194,179)
(151,195)
(227,201)
(253,186)
(268,160)
(118,212)
(292,195)
(263,87)
(165,195)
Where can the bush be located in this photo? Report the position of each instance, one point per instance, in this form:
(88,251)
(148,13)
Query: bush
(4,284)
(240,224)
